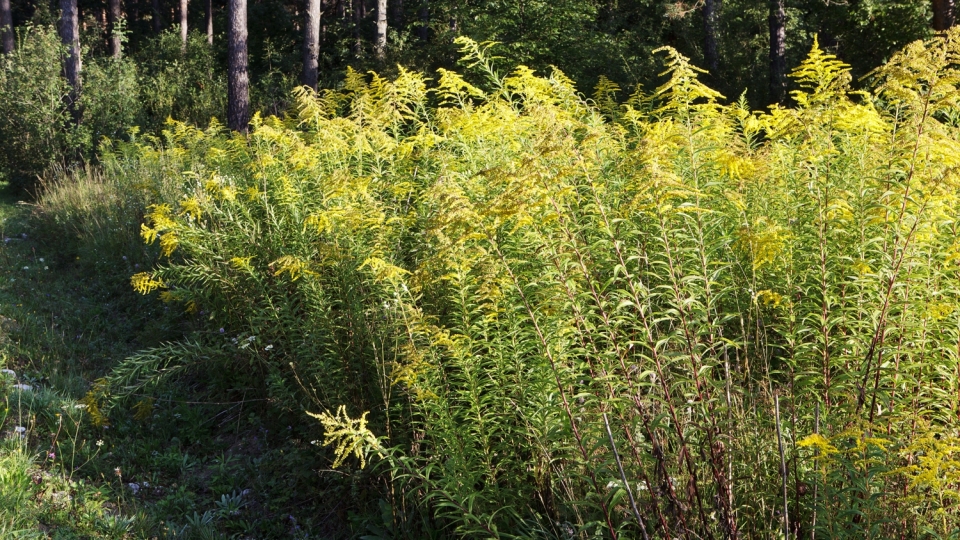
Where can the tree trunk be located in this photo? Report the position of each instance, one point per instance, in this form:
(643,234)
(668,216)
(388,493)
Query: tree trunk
(311,44)
(113,16)
(183,24)
(70,36)
(357,9)
(778,48)
(209,22)
(943,14)
(711,10)
(157,26)
(238,80)
(6,27)
(381,45)
(424,29)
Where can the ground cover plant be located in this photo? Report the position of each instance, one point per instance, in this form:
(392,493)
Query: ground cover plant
(188,466)
(514,311)
(480,304)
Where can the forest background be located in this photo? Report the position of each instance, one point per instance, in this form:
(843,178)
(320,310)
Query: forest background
(404,269)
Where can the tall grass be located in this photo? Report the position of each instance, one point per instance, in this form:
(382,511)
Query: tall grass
(537,314)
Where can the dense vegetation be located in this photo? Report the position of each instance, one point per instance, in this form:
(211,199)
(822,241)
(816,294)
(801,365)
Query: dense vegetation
(478,302)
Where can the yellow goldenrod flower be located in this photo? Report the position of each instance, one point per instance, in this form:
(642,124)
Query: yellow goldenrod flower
(144,283)
(191,207)
(168,244)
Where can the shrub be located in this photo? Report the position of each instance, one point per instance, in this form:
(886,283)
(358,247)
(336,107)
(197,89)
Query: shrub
(111,98)
(187,86)
(36,127)
(537,321)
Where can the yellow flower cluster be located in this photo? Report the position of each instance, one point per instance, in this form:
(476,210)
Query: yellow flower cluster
(144,283)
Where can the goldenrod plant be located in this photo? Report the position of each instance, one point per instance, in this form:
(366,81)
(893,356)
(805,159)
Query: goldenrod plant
(542,315)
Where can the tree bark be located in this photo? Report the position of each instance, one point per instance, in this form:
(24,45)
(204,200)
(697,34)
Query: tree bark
(311,44)
(380,47)
(778,55)
(357,9)
(238,80)
(209,22)
(943,14)
(183,24)
(70,36)
(157,25)
(6,27)
(711,10)
(113,16)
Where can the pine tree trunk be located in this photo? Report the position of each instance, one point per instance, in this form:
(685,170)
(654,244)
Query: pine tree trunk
(157,26)
(238,80)
(6,27)
(943,14)
(113,15)
(311,44)
(70,36)
(778,48)
(711,10)
(183,24)
(357,21)
(381,45)
(209,22)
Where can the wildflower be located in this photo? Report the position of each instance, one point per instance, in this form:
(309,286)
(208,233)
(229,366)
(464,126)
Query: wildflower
(41,259)
(268,347)
(242,263)
(144,283)
(117,472)
(99,443)
(191,207)
(168,244)
(221,330)
(52,455)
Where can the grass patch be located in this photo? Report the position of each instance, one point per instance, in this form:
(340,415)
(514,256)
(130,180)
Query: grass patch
(188,461)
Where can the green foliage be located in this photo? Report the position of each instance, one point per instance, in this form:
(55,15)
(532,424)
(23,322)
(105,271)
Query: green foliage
(36,128)
(111,99)
(118,95)
(188,86)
